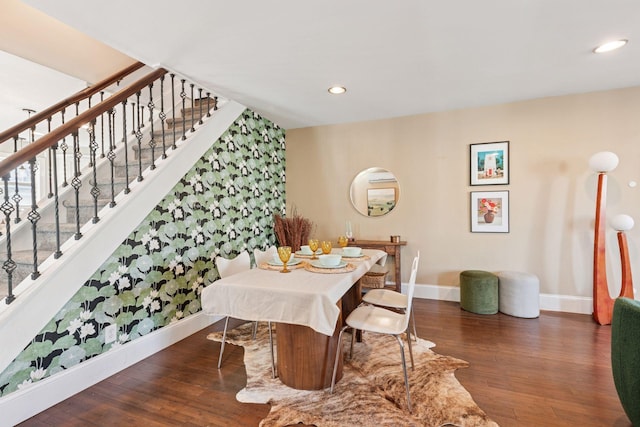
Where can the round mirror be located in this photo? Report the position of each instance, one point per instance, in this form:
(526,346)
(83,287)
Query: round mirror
(375,192)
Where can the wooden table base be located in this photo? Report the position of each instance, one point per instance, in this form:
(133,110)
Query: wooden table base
(306,357)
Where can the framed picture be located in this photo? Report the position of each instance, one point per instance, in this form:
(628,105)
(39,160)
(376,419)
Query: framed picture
(380,201)
(489,211)
(489,163)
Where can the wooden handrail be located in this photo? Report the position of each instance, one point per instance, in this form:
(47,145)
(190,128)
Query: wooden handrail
(72,126)
(77,97)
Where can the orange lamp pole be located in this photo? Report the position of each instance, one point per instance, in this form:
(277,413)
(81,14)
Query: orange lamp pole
(602,301)
(602,163)
(623,223)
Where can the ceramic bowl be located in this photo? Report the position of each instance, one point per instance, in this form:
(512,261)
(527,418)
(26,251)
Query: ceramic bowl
(351,251)
(330,260)
(305,249)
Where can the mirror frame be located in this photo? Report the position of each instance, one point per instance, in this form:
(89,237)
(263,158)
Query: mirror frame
(374,192)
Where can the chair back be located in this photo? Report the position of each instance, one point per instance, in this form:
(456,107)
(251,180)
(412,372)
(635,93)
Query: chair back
(411,288)
(264,256)
(227,267)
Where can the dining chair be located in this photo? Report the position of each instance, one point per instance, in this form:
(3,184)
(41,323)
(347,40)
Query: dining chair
(374,319)
(391,299)
(227,267)
(267,255)
(260,257)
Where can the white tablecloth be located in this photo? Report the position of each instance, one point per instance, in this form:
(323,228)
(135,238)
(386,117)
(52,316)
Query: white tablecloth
(301,297)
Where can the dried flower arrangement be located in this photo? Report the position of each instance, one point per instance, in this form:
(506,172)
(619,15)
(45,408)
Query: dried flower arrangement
(292,231)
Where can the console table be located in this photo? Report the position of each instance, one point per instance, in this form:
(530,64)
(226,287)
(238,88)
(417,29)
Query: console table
(391,248)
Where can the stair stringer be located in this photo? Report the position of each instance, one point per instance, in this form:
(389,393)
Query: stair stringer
(36,304)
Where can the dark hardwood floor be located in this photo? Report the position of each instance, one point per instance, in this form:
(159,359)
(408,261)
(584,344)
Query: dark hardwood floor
(550,371)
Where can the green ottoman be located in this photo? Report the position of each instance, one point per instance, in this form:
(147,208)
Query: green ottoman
(625,355)
(479,292)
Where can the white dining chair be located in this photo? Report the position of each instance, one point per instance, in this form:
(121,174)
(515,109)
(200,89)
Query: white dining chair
(374,319)
(391,299)
(227,267)
(267,255)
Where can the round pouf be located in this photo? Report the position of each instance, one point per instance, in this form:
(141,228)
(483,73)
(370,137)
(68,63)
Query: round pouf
(479,291)
(519,294)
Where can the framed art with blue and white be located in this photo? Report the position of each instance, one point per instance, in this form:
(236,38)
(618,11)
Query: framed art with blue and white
(489,163)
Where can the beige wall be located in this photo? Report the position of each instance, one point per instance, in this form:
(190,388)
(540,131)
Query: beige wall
(551,187)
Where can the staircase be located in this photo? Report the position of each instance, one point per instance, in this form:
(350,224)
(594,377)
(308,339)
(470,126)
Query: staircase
(139,158)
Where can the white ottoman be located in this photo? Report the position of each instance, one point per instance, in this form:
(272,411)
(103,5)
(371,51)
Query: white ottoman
(519,294)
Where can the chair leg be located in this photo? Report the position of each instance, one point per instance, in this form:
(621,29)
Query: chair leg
(413,322)
(224,339)
(410,349)
(404,369)
(255,331)
(273,360)
(338,354)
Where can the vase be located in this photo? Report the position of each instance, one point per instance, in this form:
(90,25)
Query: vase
(488,217)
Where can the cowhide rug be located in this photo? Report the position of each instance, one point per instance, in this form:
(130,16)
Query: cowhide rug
(371,391)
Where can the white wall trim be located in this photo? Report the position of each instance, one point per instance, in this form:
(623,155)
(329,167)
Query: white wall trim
(22,404)
(548,302)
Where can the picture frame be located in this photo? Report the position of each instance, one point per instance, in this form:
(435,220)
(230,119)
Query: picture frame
(489,163)
(380,201)
(489,211)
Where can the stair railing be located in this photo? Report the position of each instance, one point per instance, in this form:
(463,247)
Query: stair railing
(90,157)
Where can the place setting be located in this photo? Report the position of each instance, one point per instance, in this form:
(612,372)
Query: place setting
(283,261)
(327,262)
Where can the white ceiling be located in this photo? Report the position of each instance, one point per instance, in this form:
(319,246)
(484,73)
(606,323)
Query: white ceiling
(396,58)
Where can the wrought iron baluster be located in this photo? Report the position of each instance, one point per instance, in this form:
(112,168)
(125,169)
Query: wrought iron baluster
(50,172)
(152,143)
(208,106)
(127,190)
(9,264)
(102,127)
(111,155)
(215,103)
(183,95)
(64,147)
(133,118)
(16,195)
(139,138)
(163,117)
(173,109)
(34,217)
(93,149)
(193,119)
(76,183)
(200,105)
(56,202)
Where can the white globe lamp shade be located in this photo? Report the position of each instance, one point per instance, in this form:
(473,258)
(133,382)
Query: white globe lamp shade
(604,161)
(622,222)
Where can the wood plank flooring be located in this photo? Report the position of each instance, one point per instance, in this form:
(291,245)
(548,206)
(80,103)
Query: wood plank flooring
(550,371)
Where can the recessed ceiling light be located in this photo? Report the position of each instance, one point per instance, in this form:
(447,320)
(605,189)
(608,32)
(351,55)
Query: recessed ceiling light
(609,46)
(337,90)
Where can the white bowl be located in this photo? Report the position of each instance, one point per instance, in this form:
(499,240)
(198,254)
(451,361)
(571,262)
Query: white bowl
(351,251)
(330,260)
(305,250)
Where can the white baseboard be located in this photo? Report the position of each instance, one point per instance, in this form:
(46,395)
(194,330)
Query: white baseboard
(548,302)
(22,404)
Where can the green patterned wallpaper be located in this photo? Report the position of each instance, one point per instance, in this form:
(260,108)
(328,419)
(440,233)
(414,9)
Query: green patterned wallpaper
(223,205)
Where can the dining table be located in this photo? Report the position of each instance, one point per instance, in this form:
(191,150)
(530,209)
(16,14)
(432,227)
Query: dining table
(307,305)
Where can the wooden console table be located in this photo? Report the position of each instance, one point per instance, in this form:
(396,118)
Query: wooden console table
(391,248)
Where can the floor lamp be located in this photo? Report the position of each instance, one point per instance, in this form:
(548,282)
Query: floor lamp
(602,163)
(622,223)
